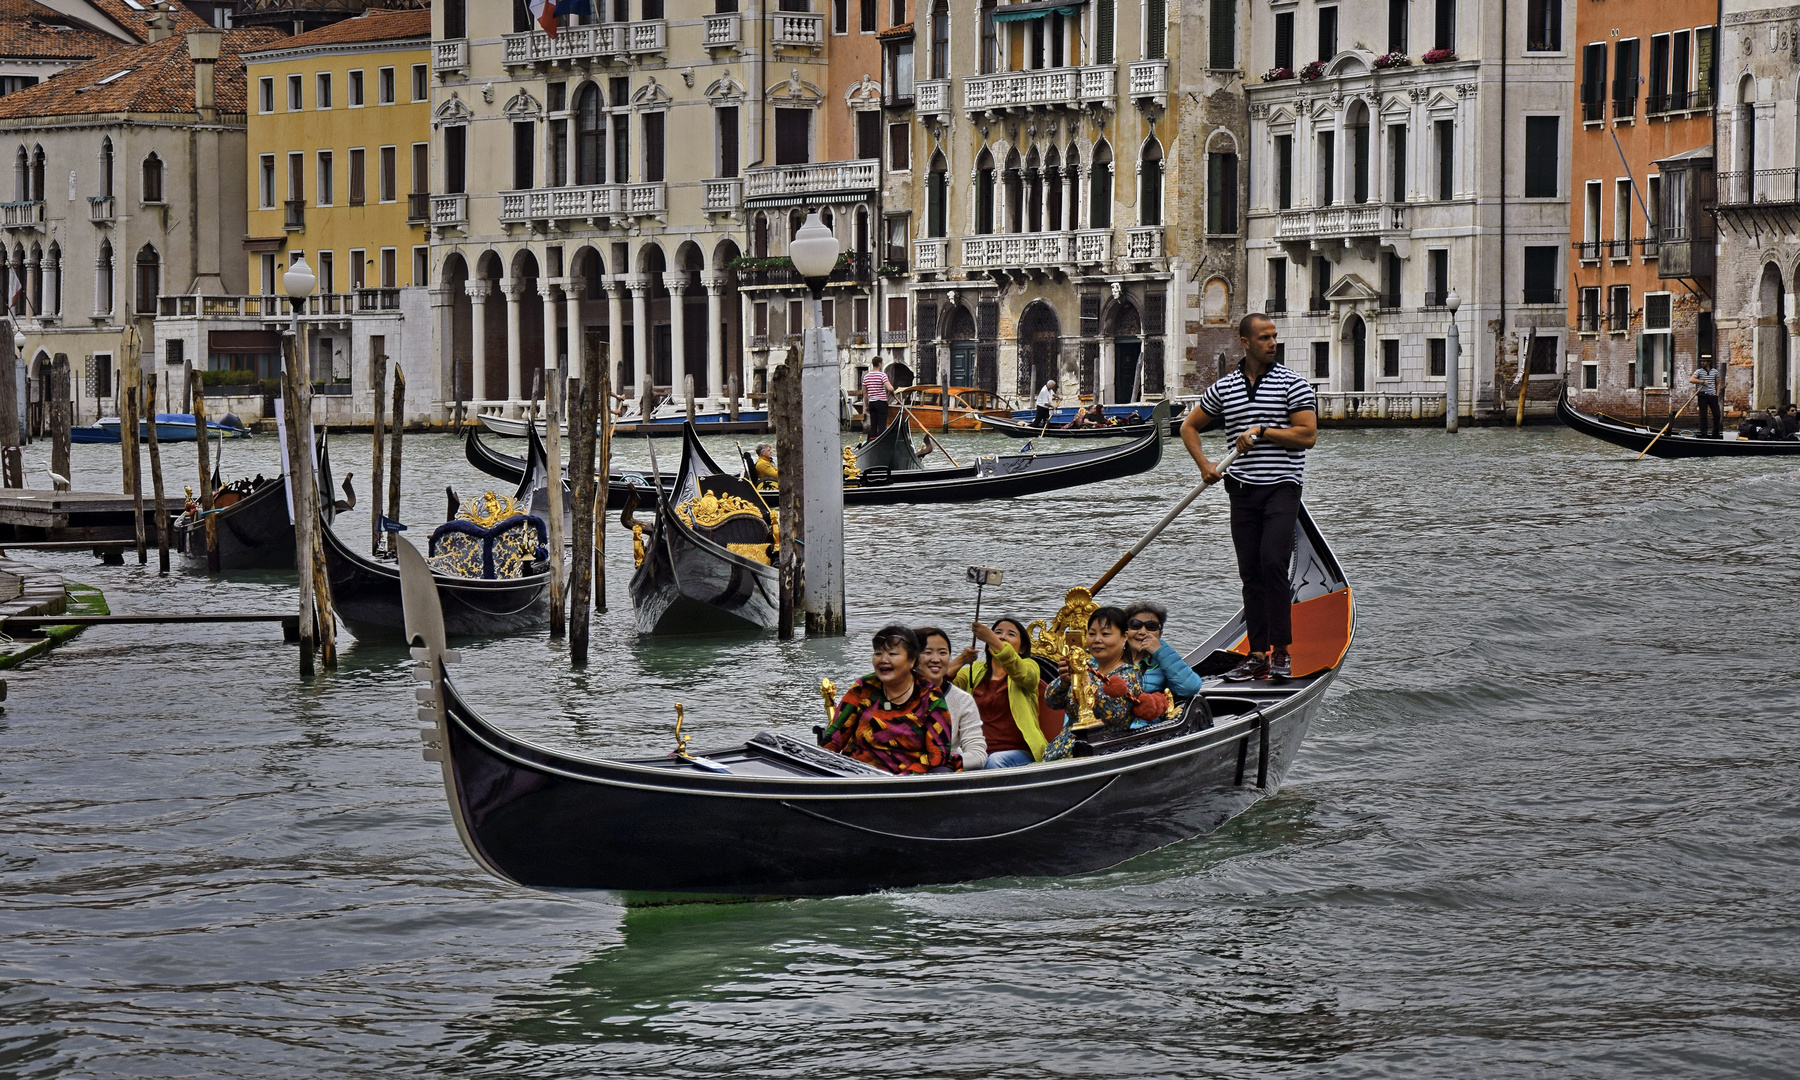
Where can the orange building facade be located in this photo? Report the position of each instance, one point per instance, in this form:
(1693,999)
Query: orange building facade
(1641,242)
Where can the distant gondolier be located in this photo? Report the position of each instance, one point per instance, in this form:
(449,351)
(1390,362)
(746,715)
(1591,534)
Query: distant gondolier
(876,389)
(1706,379)
(1045,399)
(1271,416)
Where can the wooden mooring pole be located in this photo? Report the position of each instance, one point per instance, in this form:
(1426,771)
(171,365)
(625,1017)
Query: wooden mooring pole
(377,375)
(603,469)
(211,528)
(784,416)
(156,485)
(397,427)
(554,380)
(60,419)
(582,436)
(298,419)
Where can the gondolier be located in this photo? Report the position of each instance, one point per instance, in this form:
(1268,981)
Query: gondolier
(1271,416)
(1045,399)
(876,388)
(1706,381)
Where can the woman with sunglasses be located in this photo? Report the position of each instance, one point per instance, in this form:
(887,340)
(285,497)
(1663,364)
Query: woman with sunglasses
(965,716)
(1005,688)
(1115,678)
(890,718)
(1162,665)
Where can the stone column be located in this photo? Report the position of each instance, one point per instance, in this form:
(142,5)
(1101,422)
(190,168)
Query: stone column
(639,284)
(574,290)
(676,281)
(715,335)
(515,291)
(615,327)
(443,319)
(478,289)
(547,289)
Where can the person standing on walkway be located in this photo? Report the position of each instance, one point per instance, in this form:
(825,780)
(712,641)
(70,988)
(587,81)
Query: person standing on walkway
(1706,377)
(876,389)
(1045,399)
(1271,417)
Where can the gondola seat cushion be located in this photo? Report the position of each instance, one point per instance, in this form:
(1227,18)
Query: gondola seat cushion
(490,539)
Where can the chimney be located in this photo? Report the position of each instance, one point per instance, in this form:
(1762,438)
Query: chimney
(162,24)
(203,50)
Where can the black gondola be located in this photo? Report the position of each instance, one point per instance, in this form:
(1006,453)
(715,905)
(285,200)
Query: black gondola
(777,816)
(511,468)
(706,566)
(255,529)
(1673,444)
(1019,430)
(892,449)
(365,592)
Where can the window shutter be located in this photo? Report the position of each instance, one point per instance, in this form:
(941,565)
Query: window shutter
(987,321)
(1090,315)
(1103,19)
(1153,366)
(1224,34)
(1156,17)
(1155,313)
(927,363)
(926,321)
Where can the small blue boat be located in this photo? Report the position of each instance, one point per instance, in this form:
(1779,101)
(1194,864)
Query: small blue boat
(170,427)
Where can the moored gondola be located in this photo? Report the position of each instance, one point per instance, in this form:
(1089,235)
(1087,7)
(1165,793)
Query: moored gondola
(254,523)
(707,564)
(1673,443)
(777,816)
(365,591)
(1026,431)
(511,469)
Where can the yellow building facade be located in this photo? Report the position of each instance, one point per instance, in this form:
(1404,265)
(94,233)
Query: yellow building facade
(338,146)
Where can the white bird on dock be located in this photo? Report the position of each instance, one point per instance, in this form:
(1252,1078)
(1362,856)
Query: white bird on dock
(60,478)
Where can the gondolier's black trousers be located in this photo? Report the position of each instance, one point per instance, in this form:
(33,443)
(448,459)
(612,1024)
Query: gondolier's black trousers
(1042,419)
(1709,405)
(1262,530)
(877,417)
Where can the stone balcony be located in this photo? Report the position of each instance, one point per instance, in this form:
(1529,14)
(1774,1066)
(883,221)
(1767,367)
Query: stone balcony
(1148,79)
(450,211)
(797,31)
(723,31)
(22,215)
(1047,88)
(775,183)
(449,56)
(614,41)
(1144,243)
(1341,222)
(599,203)
(931,100)
(722,196)
(931,254)
(1022,253)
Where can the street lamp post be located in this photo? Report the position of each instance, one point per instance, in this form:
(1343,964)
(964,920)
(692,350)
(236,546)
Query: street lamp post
(814,251)
(1452,367)
(12,433)
(299,283)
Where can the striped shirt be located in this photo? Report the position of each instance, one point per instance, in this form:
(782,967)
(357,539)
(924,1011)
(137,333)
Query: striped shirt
(1708,381)
(1276,398)
(875,385)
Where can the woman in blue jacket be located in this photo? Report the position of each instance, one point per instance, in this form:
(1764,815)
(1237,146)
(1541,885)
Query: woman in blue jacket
(1162,665)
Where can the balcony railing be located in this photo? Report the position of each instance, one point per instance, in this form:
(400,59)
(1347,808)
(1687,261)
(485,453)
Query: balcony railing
(190,305)
(1593,112)
(599,200)
(1747,187)
(1148,79)
(384,299)
(585,43)
(100,208)
(854,268)
(1588,322)
(1618,319)
(1144,243)
(449,211)
(1540,295)
(1651,245)
(22,215)
(1017,251)
(1677,101)
(295,217)
(1047,87)
(929,254)
(807,179)
(1379,406)
(723,31)
(797,30)
(450,55)
(1275,306)
(1094,247)
(1624,108)
(418,207)
(1586,250)
(1618,249)
(722,196)
(1367,219)
(932,98)
(1436,298)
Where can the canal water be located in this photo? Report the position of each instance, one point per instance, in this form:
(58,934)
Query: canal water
(1546,826)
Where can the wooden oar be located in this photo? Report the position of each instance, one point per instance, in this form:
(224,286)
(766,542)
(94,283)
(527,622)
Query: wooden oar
(1670,424)
(942,449)
(1156,529)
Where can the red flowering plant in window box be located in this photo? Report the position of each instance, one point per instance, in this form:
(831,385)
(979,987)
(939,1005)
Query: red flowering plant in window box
(1439,56)
(1312,71)
(1393,60)
(1276,74)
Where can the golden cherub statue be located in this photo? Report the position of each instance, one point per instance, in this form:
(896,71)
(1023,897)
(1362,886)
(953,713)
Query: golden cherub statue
(1065,639)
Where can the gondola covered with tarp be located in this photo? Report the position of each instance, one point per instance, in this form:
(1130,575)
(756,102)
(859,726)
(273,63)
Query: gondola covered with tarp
(489,565)
(707,565)
(1672,443)
(778,816)
(253,521)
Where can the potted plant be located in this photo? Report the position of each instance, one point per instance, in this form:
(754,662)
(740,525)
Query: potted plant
(1393,60)
(1439,56)
(1312,71)
(1276,74)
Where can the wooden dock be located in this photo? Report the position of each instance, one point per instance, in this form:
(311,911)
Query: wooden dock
(28,514)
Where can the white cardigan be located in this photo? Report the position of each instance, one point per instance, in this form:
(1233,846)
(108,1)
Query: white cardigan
(965,728)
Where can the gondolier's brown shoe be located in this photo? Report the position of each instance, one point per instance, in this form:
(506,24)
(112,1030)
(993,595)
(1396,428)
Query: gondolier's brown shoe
(1252,667)
(1280,667)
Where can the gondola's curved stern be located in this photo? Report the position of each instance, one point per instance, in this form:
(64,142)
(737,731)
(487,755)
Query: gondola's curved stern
(426,639)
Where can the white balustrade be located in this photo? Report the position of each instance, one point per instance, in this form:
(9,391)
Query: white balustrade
(1144,243)
(450,55)
(722,196)
(930,254)
(1093,247)
(723,31)
(798,29)
(1047,87)
(801,179)
(1149,78)
(449,210)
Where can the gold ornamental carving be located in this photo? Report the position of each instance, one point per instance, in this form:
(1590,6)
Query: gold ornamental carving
(709,511)
(1065,639)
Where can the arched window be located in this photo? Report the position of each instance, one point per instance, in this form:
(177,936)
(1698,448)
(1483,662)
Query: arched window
(759,240)
(1072,170)
(106,167)
(862,230)
(22,177)
(34,299)
(1100,181)
(53,284)
(984,193)
(37,174)
(590,137)
(937,198)
(1150,173)
(1053,215)
(153,179)
(149,280)
(1034,191)
(103,280)
(1014,179)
